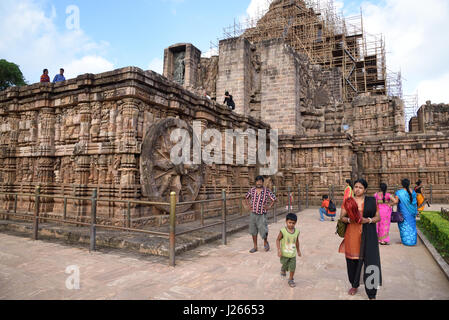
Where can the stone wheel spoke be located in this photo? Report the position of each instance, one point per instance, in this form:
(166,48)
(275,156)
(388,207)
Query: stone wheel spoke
(159,175)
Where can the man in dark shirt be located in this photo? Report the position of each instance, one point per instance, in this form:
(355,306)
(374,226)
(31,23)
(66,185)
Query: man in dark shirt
(228,101)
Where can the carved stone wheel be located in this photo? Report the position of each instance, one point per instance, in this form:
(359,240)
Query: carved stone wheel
(159,176)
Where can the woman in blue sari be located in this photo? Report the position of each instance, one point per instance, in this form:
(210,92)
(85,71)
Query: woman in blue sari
(407,205)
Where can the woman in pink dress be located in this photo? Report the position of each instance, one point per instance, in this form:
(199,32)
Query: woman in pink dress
(384,202)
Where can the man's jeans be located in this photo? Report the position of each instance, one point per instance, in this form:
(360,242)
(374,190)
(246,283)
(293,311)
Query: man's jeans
(323,213)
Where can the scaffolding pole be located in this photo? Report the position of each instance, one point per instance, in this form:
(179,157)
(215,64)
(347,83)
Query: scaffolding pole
(326,37)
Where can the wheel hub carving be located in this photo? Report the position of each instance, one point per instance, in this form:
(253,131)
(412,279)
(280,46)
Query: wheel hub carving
(159,175)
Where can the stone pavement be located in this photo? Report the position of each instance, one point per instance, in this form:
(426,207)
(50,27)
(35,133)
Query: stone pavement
(36,270)
(135,241)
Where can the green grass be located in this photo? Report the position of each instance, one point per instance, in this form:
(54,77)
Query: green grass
(436,229)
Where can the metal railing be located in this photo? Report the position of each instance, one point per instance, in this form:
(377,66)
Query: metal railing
(93,213)
(285,198)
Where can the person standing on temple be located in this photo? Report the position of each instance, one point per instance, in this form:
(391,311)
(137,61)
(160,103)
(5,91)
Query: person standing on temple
(228,101)
(44,76)
(59,77)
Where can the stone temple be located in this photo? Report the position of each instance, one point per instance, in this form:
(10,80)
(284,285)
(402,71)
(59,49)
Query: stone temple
(298,69)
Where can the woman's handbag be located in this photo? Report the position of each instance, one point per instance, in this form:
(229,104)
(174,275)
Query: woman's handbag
(341,228)
(397,216)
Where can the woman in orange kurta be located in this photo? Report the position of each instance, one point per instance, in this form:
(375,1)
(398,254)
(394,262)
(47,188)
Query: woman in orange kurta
(350,245)
(360,244)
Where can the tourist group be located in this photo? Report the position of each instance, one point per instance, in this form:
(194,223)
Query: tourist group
(364,219)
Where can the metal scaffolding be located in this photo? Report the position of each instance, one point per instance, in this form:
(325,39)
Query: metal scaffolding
(411,108)
(327,38)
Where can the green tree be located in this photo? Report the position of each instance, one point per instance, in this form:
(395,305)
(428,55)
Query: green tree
(10,75)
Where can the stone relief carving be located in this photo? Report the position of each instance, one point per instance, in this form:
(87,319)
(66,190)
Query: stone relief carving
(159,176)
(179,67)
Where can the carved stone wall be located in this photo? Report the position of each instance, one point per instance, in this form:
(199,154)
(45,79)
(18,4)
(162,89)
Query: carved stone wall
(270,81)
(378,115)
(322,161)
(317,161)
(234,73)
(181,64)
(431,118)
(415,156)
(208,74)
(87,133)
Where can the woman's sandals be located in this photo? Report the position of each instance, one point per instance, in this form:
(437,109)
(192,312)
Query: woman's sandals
(352,291)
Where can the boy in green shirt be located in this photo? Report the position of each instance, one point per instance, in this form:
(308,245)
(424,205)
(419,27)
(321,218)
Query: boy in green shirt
(288,244)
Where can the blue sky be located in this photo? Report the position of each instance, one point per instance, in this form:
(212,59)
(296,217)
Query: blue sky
(138,31)
(128,33)
(115,34)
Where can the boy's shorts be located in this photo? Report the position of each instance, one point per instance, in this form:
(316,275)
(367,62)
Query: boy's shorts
(258,224)
(288,264)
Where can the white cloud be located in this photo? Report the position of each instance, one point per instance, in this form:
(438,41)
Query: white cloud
(416,42)
(256,8)
(87,64)
(435,89)
(30,38)
(335,4)
(209,53)
(157,65)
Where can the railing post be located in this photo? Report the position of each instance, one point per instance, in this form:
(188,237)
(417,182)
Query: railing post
(172,243)
(128,215)
(36,213)
(289,194)
(332,192)
(241,201)
(240,204)
(274,207)
(299,197)
(15,203)
(93,221)
(202,214)
(223,194)
(431,194)
(283,198)
(307,196)
(65,209)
